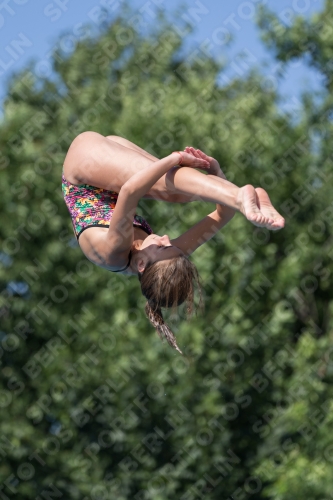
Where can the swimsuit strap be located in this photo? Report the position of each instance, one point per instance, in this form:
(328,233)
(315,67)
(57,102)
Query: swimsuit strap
(129,258)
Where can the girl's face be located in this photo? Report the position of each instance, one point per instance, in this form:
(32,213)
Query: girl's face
(158,248)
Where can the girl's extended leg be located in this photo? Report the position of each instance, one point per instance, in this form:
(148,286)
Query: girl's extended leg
(101,162)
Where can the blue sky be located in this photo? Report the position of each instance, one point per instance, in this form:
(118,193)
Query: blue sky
(30,29)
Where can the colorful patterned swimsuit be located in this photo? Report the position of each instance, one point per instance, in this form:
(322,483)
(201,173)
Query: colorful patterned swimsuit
(90,206)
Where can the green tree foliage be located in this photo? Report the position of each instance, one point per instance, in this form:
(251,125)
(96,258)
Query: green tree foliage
(94,405)
(304,468)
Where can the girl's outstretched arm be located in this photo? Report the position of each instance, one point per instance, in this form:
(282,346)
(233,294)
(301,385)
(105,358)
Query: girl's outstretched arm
(203,231)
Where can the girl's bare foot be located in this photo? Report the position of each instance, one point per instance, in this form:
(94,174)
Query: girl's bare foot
(247,200)
(267,209)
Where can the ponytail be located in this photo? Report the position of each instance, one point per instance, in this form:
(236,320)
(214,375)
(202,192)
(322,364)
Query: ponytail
(168,286)
(154,314)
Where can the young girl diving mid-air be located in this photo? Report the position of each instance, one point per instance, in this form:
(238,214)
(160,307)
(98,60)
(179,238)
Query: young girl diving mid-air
(104,179)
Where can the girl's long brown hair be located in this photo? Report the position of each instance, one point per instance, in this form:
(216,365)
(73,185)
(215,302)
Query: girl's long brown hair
(168,285)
